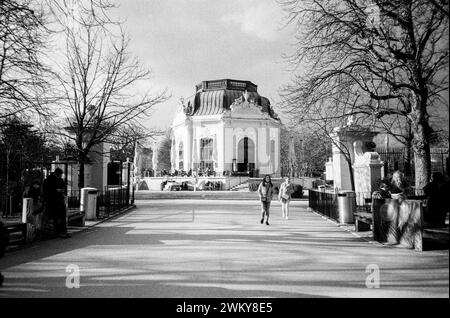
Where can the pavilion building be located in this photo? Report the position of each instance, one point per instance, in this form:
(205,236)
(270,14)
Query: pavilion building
(226,127)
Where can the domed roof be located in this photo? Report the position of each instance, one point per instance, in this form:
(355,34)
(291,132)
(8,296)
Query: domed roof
(213,97)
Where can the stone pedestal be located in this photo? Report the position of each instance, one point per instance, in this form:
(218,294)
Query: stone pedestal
(127,172)
(96,172)
(349,143)
(367,170)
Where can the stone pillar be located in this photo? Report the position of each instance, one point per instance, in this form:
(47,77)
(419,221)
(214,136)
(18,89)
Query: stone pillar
(367,171)
(221,148)
(106,158)
(127,172)
(344,139)
(195,155)
(329,169)
(173,154)
(96,172)
(188,145)
(341,171)
(88,175)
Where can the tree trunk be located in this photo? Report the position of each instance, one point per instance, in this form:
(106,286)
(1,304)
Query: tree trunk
(408,158)
(421,144)
(81,162)
(352,175)
(422,163)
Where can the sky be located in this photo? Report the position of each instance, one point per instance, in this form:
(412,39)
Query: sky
(185,42)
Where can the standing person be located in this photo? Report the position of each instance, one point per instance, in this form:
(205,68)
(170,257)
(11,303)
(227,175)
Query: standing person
(34,192)
(284,196)
(265,192)
(436,192)
(399,187)
(383,191)
(54,196)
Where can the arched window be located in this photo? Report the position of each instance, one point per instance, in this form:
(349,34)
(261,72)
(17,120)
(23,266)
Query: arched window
(206,153)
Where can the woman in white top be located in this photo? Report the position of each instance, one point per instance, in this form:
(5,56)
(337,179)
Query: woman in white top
(284,195)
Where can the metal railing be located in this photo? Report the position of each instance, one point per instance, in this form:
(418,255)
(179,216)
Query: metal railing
(363,201)
(10,206)
(397,159)
(324,203)
(110,201)
(73,199)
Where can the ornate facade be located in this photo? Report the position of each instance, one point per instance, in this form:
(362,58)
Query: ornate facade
(226,126)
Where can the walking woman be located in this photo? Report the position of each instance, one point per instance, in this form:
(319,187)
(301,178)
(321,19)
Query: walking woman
(284,196)
(265,192)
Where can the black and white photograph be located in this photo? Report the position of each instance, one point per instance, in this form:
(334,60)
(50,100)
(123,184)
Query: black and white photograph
(224,156)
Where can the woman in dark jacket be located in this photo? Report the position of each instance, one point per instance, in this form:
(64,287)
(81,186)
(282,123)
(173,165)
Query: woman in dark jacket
(265,192)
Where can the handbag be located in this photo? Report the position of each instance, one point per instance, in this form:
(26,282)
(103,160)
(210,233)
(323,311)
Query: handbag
(284,190)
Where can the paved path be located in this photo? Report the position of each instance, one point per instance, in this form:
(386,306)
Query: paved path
(200,248)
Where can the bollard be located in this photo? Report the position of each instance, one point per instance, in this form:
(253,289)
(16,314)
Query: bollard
(27,209)
(88,203)
(29,232)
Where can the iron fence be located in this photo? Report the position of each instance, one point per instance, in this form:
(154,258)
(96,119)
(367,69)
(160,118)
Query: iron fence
(110,201)
(10,205)
(363,200)
(397,159)
(324,203)
(73,199)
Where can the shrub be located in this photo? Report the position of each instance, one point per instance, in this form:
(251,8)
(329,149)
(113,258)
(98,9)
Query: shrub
(253,186)
(276,190)
(142,185)
(298,191)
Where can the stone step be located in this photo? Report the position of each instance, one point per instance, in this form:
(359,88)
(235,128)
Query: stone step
(243,187)
(205,195)
(199,195)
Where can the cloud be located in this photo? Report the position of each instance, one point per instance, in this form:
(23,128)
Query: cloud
(260,20)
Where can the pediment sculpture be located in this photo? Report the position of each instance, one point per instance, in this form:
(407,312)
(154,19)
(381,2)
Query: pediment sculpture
(245,107)
(186,106)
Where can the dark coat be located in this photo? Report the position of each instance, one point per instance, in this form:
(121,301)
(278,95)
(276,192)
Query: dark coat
(54,199)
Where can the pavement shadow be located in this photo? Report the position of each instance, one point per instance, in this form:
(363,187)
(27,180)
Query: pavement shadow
(140,231)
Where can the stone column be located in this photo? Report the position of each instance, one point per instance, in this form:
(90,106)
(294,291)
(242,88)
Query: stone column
(188,145)
(329,169)
(172,154)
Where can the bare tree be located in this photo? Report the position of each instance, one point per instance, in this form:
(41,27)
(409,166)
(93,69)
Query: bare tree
(312,150)
(164,150)
(389,57)
(22,71)
(99,83)
(123,141)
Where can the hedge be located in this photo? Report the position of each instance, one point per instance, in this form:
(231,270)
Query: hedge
(297,194)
